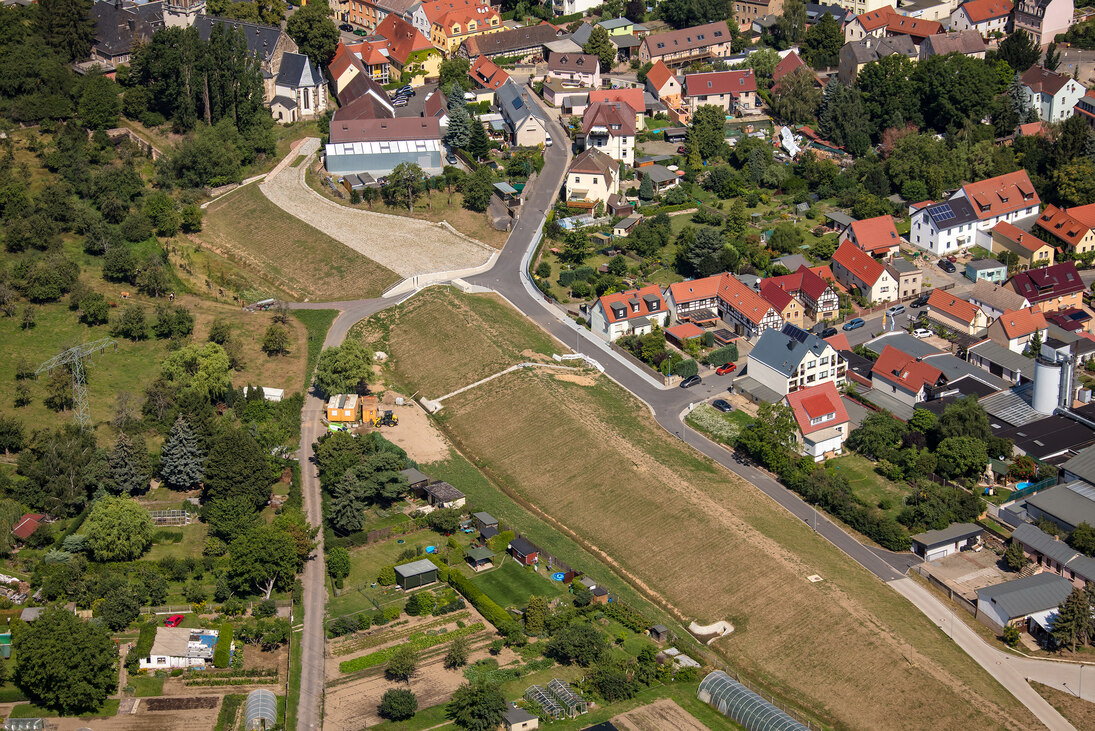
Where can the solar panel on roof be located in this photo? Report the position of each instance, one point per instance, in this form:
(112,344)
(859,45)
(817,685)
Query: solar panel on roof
(942,212)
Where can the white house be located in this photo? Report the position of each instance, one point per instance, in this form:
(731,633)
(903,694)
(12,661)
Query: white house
(983,16)
(1052,95)
(822,420)
(634,312)
(592,178)
(732,91)
(967,217)
(610,127)
(936,544)
(582,69)
(791,359)
(180,647)
(856,269)
(1012,602)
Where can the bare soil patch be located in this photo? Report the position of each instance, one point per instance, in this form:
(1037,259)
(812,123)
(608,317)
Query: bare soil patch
(179,704)
(576,378)
(415,433)
(662,715)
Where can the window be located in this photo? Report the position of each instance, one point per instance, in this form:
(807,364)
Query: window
(811,364)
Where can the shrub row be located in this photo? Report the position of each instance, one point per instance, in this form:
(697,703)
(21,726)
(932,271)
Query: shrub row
(421,642)
(214,682)
(223,651)
(490,610)
(627,615)
(686,368)
(363,643)
(722,356)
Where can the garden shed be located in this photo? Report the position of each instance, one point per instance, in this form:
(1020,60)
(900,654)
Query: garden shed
(415,574)
(261,710)
(742,705)
(524,551)
(479,557)
(484,521)
(444,495)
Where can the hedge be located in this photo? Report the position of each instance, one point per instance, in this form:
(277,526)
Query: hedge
(490,610)
(146,639)
(422,642)
(223,652)
(722,356)
(686,368)
(627,615)
(566,277)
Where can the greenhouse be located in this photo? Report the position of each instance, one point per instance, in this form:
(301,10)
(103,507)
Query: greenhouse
(536,694)
(573,702)
(744,706)
(261,710)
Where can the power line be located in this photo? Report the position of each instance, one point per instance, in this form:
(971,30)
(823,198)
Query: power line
(73,358)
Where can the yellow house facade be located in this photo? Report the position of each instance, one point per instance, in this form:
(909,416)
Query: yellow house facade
(449,31)
(1029,250)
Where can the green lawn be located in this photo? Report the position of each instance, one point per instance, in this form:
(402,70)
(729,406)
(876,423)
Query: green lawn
(318,323)
(510,585)
(181,541)
(868,484)
(146,686)
(29,710)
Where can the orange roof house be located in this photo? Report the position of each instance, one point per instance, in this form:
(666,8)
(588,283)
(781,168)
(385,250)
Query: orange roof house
(740,303)
(1015,328)
(1075,227)
(1001,195)
(1029,250)
(487,74)
(901,375)
(789,308)
(982,11)
(663,84)
(856,269)
(956,314)
(27,525)
(635,311)
(877,236)
(822,420)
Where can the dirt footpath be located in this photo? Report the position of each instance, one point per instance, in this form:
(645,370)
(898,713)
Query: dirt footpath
(662,715)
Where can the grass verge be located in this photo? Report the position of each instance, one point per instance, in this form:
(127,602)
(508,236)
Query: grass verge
(29,710)
(1077,711)
(292,701)
(146,686)
(317,322)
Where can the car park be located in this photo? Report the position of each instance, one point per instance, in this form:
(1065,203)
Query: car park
(896,310)
(691,381)
(854,323)
(922,332)
(725,369)
(722,405)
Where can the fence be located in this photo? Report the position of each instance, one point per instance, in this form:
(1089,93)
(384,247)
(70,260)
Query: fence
(958,599)
(170,517)
(1036,487)
(553,563)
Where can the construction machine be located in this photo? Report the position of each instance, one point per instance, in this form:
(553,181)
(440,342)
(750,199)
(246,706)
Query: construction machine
(386,419)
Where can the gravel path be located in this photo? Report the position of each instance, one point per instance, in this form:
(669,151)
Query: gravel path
(407,246)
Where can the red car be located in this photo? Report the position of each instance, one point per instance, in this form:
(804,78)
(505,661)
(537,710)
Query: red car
(728,368)
(173,621)
(680,149)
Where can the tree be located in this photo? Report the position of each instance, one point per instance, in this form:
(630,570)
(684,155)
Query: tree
(199,369)
(923,421)
(843,118)
(889,95)
(230,518)
(402,663)
(237,467)
(478,189)
(786,238)
(397,704)
(791,26)
(172,322)
(454,71)
(119,609)
(477,707)
(445,521)
(338,563)
(99,103)
(457,655)
(822,43)
(61,468)
(600,46)
(961,457)
(612,684)
(1075,182)
(478,143)
(1015,557)
(66,25)
(1083,538)
(130,323)
(13,437)
(1053,58)
(770,435)
(119,265)
(536,614)
(579,643)
(262,558)
(576,247)
(797,98)
(1019,50)
(65,663)
(702,254)
(646,188)
(706,134)
(118,529)
(130,467)
(181,457)
(315,34)
(404,186)
(1073,625)
(276,340)
(94,309)
(342,368)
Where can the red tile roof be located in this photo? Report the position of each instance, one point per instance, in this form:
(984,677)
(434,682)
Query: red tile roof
(688,39)
(659,74)
(864,266)
(1034,129)
(340,62)
(960,309)
(720,82)
(697,289)
(805,280)
(1020,323)
(1002,194)
(385,130)
(1030,242)
(839,341)
(27,525)
(904,370)
(684,331)
(776,296)
(631,97)
(980,11)
(486,73)
(1039,285)
(618,117)
(815,402)
(742,298)
(875,234)
(916,27)
(1068,224)
(404,38)
(627,299)
(876,18)
(786,65)
(1042,81)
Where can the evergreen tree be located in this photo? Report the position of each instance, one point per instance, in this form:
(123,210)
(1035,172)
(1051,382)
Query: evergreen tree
(1073,624)
(458,134)
(601,46)
(1015,557)
(66,25)
(478,144)
(314,32)
(535,615)
(181,457)
(646,188)
(236,467)
(1052,60)
(1020,51)
(130,470)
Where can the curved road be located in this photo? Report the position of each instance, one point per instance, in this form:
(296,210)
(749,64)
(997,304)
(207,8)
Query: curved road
(508,278)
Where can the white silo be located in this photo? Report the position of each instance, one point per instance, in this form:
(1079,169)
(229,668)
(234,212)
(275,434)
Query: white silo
(1047,386)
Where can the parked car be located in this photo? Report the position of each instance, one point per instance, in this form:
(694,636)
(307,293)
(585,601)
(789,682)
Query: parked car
(173,621)
(680,149)
(947,266)
(547,140)
(450,158)
(405,89)
(921,301)
(361,32)
(691,381)
(346,27)
(722,405)
(728,368)
(399,101)
(896,310)
(922,332)
(828,332)
(854,323)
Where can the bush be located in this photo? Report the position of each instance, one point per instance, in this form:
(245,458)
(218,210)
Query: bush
(386,577)
(566,277)
(543,270)
(585,273)
(686,368)
(223,651)
(722,356)
(490,610)
(265,608)
(627,615)
(416,643)
(397,704)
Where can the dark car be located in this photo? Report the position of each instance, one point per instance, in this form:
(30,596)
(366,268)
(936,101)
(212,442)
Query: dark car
(828,332)
(728,368)
(947,266)
(346,27)
(722,405)
(691,381)
(921,301)
(854,323)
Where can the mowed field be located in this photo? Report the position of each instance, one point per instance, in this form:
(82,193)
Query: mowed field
(248,229)
(705,544)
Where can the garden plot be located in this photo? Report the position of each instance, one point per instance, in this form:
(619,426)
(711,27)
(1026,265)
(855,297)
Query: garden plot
(661,715)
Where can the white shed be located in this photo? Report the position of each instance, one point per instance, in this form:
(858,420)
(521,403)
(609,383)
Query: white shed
(936,544)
